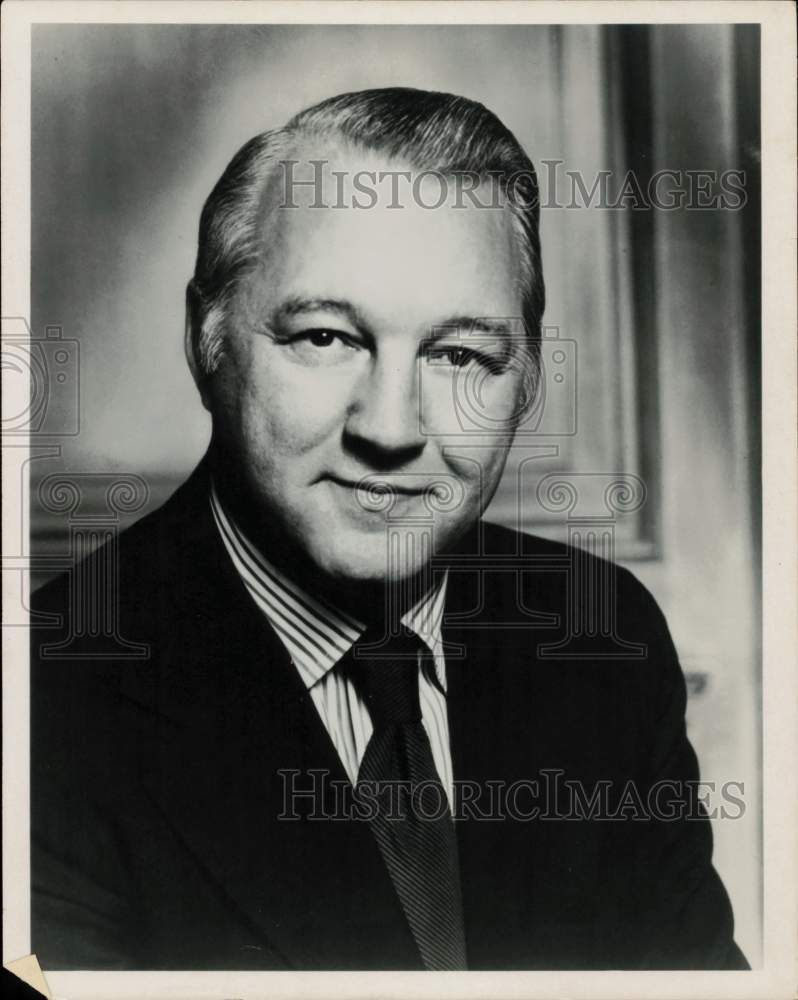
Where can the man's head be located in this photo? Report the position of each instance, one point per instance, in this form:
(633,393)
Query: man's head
(358,272)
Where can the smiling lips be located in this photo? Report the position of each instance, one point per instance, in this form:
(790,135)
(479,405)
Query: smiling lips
(376,486)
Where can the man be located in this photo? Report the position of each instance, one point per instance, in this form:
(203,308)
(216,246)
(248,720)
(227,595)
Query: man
(346,746)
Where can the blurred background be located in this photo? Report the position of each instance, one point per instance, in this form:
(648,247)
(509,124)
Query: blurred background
(653,317)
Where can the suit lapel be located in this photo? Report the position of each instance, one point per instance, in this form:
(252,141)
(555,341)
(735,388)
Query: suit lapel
(491,723)
(237,731)
(530,885)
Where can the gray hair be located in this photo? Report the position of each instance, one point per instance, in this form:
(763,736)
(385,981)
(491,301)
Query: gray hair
(428,130)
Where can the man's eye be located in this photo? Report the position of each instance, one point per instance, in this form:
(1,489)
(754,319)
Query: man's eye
(457,356)
(321,338)
(322,347)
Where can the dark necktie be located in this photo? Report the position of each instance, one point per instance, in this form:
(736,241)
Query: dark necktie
(414,828)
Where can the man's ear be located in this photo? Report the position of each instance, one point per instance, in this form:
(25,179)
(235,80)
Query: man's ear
(191,343)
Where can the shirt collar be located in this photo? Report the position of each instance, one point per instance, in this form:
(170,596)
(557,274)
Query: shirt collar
(315,632)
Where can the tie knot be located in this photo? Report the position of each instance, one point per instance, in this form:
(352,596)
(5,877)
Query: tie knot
(386,672)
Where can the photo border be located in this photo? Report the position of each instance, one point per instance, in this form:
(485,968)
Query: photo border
(779,973)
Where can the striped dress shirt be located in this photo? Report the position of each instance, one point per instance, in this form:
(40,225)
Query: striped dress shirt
(317,635)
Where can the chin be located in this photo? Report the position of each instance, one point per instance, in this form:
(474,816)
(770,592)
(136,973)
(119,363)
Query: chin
(361,560)
(345,568)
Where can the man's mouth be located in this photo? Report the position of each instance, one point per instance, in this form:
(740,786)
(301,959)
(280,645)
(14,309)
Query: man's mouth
(375,485)
(377,495)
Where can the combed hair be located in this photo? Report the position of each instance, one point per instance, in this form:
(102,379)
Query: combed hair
(424,129)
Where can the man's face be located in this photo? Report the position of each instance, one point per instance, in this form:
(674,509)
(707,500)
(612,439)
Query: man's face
(330,376)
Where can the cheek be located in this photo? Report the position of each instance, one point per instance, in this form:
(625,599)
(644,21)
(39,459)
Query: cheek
(474,403)
(478,470)
(284,409)
(486,463)
(500,398)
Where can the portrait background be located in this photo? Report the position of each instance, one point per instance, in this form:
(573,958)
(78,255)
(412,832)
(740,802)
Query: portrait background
(656,312)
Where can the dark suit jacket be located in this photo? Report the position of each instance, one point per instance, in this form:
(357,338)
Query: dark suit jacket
(156,788)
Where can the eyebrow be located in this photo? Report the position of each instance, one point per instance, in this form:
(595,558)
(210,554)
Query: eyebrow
(296,305)
(474,324)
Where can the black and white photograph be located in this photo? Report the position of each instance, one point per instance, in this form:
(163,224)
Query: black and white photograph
(399,499)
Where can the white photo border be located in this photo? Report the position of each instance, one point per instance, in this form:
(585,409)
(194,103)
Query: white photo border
(779,972)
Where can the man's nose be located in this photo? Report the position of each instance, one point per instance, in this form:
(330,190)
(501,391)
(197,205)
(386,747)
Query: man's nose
(384,427)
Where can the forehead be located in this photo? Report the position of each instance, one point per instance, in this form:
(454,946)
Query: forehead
(389,252)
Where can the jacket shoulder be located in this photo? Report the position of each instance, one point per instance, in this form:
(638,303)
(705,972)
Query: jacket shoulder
(138,557)
(538,555)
